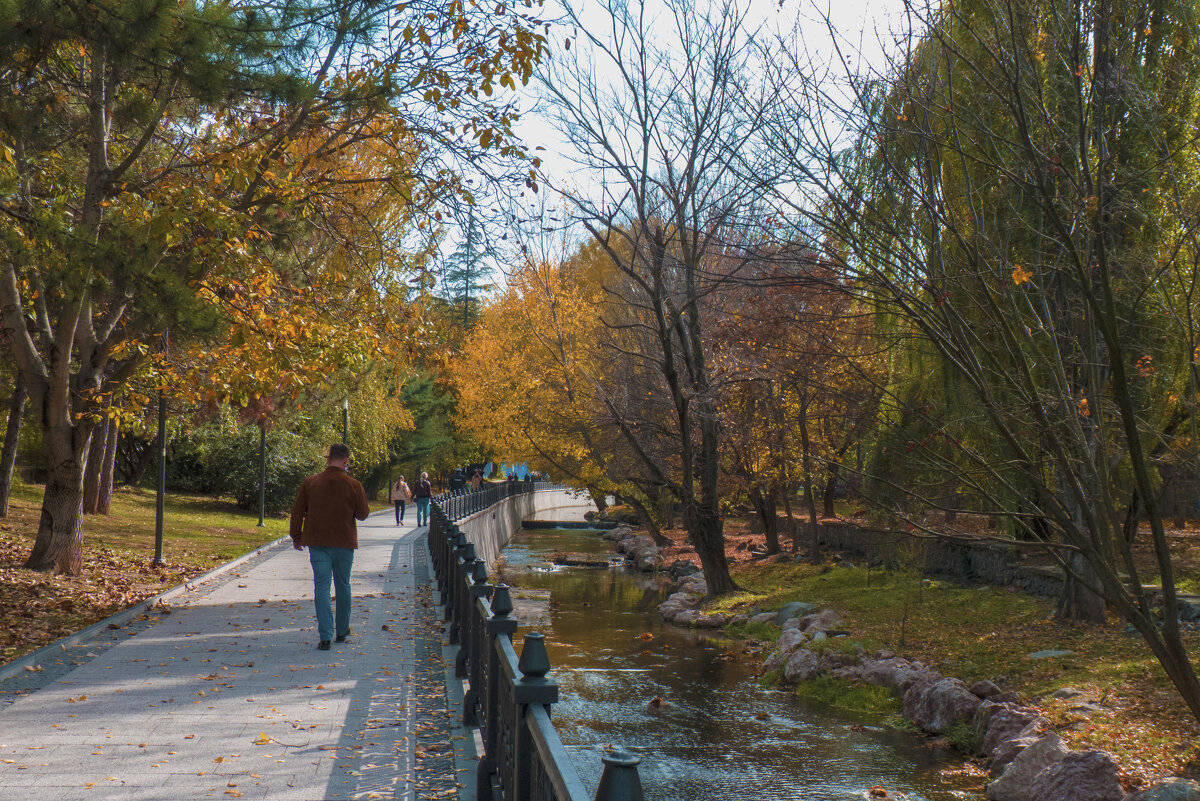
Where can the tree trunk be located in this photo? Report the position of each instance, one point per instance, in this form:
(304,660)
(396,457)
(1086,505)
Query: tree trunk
(950,500)
(104,506)
(648,521)
(1077,602)
(59,542)
(95,463)
(667,508)
(12,436)
(135,460)
(766,508)
(600,500)
(709,531)
(810,500)
(793,530)
(827,496)
(709,540)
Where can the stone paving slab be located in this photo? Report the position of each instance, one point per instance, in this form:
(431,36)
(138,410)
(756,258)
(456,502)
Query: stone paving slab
(224,695)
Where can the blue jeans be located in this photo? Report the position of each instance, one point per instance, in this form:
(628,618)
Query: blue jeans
(399,512)
(331,563)
(422,511)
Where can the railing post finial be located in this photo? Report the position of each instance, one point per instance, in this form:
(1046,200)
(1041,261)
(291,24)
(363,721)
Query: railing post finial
(502,603)
(534,663)
(620,780)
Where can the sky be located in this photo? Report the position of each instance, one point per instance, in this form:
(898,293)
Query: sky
(862,28)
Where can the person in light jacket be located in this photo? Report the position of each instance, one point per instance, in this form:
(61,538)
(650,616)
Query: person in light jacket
(400,495)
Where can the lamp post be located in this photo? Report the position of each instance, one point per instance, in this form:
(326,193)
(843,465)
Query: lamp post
(262,473)
(345,421)
(161,493)
(160,496)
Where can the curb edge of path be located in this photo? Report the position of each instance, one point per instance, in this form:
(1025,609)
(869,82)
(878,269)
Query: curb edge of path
(17,666)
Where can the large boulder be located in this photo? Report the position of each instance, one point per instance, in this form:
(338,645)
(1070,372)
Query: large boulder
(788,642)
(825,620)
(894,671)
(941,705)
(802,665)
(617,533)
(845,664)
(907,674)
(1079,776)
(988,690)
(682,567)
(649,561)
(635,544)
(712,620)
(1014,784)
(1007,722)
(1006,751)
(694,584)
(912,695)
(677,603)
(684,617)
(793,609)
(763,617)
(1172,789)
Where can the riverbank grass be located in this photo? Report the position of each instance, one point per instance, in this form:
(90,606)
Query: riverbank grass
(977,633)
(869,699)
(199,534)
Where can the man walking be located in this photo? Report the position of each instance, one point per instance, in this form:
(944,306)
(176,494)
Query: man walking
(323,520)
(423,493)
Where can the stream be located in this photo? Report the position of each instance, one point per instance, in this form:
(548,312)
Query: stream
(719,734)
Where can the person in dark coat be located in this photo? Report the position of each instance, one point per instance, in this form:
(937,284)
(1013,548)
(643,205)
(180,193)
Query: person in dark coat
(323,520)
(422,494)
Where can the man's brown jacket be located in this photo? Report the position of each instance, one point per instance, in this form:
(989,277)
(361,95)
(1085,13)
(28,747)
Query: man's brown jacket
(325,510)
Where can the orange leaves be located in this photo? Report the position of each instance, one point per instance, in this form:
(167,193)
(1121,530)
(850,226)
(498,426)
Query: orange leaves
(1020,275)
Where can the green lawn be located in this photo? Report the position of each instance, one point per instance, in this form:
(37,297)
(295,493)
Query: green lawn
(199,533)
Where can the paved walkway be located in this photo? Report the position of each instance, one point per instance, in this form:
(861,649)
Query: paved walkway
(226,696)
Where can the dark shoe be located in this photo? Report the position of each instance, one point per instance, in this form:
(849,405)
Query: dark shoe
(323,645)
(342,637)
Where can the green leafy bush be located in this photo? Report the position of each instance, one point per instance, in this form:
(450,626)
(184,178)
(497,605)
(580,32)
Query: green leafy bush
(221,457)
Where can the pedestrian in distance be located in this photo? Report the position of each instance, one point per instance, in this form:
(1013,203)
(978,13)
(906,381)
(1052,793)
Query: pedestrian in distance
(323,520)
(422,494)
(400,495)
(477,480)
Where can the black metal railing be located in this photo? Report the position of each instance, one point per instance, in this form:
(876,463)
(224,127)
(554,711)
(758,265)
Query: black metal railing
(458,504)
(509,696)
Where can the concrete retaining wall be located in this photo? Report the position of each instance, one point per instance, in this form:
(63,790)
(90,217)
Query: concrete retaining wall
(491,529)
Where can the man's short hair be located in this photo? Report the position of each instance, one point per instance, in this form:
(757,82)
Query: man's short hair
(339,451)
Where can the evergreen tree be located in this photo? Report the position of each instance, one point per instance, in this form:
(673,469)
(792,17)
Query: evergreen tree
(466,273)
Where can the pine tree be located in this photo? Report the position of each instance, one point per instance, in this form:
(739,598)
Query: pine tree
(466,274)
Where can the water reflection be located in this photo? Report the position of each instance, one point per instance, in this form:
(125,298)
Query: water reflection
(702,724)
